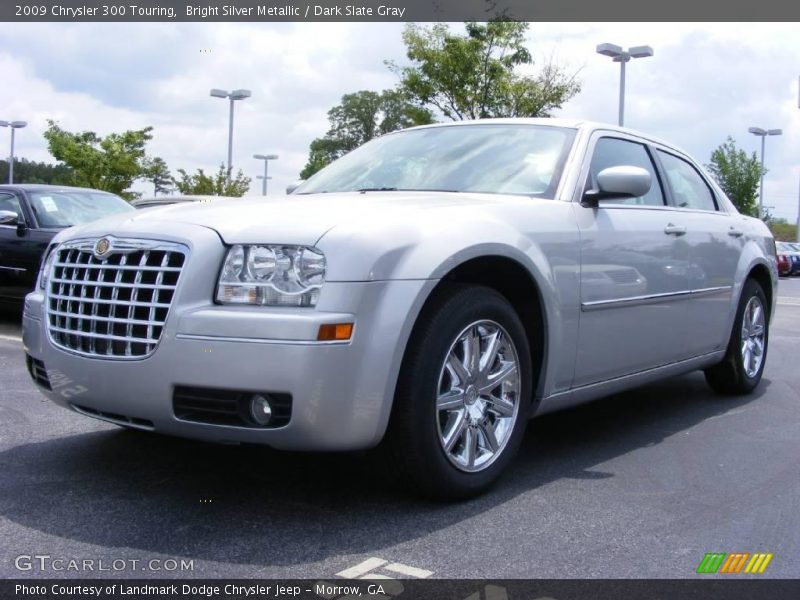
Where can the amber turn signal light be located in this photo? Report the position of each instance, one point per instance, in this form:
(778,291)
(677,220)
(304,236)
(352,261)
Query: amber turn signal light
(335,332)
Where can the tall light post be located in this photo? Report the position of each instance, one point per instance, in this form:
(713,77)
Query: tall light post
(622,57)
(14,126)
(762,133)
(232,96)
(266,158)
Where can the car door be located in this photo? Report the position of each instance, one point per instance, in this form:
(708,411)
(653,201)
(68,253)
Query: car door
(21,250)
(716,239)
(634,285)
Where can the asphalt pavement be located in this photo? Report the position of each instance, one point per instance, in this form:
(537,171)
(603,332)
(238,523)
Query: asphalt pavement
(640,484)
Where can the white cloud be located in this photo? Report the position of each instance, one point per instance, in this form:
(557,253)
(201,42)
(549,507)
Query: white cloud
(705,82)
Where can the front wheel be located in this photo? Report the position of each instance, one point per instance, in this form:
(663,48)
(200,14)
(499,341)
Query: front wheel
(741,369)
(463,396)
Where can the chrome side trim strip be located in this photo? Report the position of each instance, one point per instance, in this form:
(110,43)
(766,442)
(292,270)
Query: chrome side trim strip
(652,298)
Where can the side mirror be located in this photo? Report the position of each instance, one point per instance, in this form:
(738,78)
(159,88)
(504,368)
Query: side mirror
(618,183)
(293,186)
(8,217)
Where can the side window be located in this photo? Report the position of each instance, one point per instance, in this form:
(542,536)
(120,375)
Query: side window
(689,189)
(11,202)
(614,152)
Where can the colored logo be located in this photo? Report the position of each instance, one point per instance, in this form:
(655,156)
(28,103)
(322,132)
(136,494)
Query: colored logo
(736,562)
(102,247)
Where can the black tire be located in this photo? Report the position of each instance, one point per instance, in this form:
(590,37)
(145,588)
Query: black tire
(730,376)
(412,443)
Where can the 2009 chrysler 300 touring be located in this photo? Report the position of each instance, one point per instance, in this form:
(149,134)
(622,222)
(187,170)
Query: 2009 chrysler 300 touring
(430,291)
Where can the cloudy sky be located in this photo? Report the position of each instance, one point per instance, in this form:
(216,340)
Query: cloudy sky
(705,82)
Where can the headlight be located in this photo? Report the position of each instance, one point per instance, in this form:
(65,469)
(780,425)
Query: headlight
(271,275)
(47,265)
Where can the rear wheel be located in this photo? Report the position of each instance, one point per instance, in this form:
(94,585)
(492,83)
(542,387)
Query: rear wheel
(463,396)
(741,369)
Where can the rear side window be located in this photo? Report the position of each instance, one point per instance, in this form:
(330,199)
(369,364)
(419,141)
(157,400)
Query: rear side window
(689,189)
(615,152)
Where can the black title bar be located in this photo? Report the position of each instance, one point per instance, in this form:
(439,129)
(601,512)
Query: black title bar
(397,10)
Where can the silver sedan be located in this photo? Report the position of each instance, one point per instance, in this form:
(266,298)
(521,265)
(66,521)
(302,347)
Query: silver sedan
(427,294)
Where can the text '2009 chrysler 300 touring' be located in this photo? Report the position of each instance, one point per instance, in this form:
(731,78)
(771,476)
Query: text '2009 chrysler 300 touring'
(428,293)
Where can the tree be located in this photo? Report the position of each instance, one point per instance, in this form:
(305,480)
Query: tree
(28,171)
(738,175)
(212,185)
(474,76)
(111,163)
(360,117)
(157,172)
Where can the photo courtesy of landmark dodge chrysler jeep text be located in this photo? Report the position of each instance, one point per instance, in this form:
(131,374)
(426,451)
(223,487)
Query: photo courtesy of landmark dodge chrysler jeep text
(429,292)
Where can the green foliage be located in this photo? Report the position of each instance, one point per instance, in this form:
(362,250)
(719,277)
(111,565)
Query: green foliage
(360,117)
(28,171)
(738,175)
(157,172)
(111,163)
(783,230)
(474,76)
(212,185)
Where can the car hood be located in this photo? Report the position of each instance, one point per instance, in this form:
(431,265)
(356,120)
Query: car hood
(295,219)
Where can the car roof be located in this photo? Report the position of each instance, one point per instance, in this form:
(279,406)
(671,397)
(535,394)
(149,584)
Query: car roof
(43,187)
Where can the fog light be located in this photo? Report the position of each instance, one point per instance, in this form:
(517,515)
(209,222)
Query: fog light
(260,409)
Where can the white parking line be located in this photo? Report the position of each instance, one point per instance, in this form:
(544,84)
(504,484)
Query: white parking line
(408,571)
(10,338)
(789,300)
(361,568)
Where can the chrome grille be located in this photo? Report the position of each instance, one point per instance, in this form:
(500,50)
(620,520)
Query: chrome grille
(112,305)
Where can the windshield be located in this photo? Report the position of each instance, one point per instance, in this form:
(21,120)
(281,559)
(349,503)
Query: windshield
(497,159)
(67,208)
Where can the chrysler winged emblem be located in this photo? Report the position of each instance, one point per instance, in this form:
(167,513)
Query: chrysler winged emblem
(102,247)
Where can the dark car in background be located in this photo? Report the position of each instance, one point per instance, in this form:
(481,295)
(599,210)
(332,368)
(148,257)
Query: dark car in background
(30,215)
(792,254)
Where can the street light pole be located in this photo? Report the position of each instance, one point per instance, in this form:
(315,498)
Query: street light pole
(622,57)
(266,158)
(14,125)
(762,133)
(232,96)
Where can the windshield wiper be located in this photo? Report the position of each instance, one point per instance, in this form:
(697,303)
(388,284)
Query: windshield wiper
(377,189)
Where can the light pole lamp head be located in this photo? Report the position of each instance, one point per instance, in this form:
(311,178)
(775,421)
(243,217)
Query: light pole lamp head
(774,132)
(611,50)
(21,124)
(640,51)
(217,93)
(4,123)
(240,94)
(757,131)
(265,156)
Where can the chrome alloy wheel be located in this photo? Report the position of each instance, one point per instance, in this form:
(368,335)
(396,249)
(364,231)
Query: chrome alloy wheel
(753,332)
(477,403)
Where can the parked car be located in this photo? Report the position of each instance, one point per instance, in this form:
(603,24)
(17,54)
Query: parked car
(792,253)
(428,292)
(784,264)
(30,215)
(166,200)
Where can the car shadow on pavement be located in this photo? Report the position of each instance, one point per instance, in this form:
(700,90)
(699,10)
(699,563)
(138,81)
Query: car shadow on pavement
(260,507)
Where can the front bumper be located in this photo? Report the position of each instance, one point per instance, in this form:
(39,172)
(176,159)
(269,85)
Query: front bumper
(341,391)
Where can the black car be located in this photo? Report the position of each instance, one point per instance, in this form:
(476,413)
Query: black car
(30,215)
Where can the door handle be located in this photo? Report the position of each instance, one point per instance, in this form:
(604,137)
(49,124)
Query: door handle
(735,232)
(672,229)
